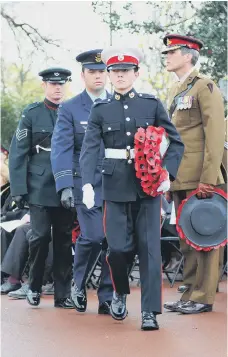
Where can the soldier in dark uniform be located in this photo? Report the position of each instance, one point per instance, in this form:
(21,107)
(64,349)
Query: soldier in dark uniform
(31,180)
(66,147)
(131,217)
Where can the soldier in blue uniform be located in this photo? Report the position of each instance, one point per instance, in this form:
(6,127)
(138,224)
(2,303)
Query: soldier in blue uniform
(31,180)
(66,147)
(131,217)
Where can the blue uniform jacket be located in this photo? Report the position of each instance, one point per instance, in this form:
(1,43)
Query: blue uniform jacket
(66,147)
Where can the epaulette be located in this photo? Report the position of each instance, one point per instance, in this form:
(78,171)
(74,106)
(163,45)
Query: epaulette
(32,106)
(147,96)
(104,101)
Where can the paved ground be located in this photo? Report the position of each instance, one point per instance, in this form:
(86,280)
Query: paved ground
(49,332)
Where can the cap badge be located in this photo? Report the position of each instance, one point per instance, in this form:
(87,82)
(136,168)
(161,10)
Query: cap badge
(131,95)
(169,42)
(98,58)
(56,74)
(117,96)
(121,57)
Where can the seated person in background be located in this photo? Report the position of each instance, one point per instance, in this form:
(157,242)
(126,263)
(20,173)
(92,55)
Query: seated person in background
(4,177)
(16,260)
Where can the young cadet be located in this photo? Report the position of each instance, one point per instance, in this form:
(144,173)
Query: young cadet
(131,217)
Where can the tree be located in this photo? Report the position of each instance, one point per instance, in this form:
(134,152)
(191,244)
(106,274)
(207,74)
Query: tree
(156,20)
(21,29)
(18,88)
(211,27)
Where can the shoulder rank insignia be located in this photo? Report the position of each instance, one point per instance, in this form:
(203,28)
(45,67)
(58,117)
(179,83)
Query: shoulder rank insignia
(184,102)
(147,96)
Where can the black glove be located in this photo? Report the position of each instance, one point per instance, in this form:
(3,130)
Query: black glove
(19,200)
(67,198)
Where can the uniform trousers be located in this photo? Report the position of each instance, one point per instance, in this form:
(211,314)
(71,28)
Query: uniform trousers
(88,246)
(201,269)
(134,227)
(47,222)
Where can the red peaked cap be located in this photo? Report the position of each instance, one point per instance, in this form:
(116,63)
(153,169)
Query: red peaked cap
(173,42)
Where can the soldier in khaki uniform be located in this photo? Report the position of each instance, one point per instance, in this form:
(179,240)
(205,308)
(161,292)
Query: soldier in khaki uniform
(196,109)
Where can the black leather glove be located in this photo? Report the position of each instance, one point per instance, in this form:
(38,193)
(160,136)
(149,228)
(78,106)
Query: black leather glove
(19,200)
(67,198)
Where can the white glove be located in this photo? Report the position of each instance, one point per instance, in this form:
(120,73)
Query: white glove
(88,195)
(165,185)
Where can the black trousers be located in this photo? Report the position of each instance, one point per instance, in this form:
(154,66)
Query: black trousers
(17,254)
(134,227)
(46,222)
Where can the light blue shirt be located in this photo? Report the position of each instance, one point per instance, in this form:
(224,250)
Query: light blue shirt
(102,96)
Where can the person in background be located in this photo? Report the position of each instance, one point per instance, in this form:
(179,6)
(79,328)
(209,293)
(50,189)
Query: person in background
(66,147)
(32,181)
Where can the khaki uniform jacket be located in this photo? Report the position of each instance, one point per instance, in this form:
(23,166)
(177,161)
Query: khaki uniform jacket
(202,130)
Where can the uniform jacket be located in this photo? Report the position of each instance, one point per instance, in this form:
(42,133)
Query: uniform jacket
(66,146)
(30,172)
(201,127)
(115,121)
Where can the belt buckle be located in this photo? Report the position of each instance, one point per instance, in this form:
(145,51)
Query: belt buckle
(128,154)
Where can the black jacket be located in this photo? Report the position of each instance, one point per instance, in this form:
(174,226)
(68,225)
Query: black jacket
(30,172)
(115,121)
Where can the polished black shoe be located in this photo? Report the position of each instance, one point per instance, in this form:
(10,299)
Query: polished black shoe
(149,321)
(104,308)
(174,306)
(182,289)
(7,287)
(19,293)
(64,303)
(118,308)
(79,299)
(194,308)
(33,297)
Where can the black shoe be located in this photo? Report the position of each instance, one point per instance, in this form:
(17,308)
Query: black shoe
(104,308)
(174,306)
(19,293)
(194,308)
(182,288)
(118,308)
(64,303)
(33,297)
(7,287)
(149,321)
(79,299)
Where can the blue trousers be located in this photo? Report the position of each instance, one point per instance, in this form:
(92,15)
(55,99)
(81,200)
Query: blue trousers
(87,248)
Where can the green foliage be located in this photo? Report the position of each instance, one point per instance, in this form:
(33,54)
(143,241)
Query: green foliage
(19,88)
(211,27)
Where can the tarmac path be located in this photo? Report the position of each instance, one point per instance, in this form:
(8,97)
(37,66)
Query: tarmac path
(46,331)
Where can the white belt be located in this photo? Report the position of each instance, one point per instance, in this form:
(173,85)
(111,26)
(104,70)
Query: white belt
(119,154)
(38,147)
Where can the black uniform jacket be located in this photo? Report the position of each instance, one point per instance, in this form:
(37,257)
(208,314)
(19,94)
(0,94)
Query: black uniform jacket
(30,170)
(115,121)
